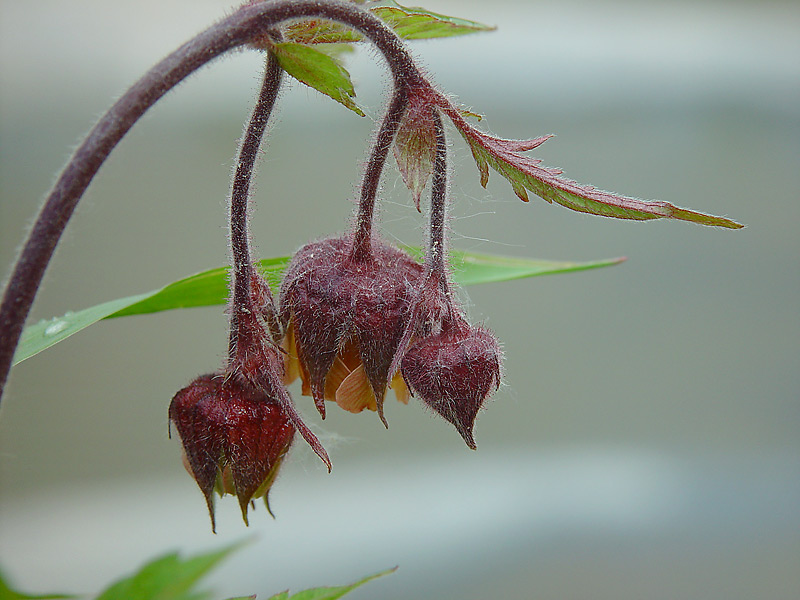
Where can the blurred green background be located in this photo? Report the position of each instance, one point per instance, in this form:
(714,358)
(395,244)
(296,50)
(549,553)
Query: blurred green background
(645,441)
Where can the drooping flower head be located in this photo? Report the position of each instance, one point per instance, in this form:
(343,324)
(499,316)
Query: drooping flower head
(234,438)
(345,319)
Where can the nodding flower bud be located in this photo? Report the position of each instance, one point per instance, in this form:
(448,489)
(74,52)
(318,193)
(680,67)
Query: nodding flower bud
(344,320)
(234,438)
(454,371)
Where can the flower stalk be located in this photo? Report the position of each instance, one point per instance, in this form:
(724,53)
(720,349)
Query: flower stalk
(245,25)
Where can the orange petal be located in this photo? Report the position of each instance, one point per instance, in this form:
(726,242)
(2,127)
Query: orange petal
(338,373)
(295,366)
(355,393)
(400,388)
(291,370)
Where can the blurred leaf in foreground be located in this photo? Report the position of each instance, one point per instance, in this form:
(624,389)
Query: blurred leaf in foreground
(167,578)
(329,593)
(6,593)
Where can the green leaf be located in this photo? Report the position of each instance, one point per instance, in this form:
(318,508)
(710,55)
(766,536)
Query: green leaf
(418,24)
(6,593)
(167,578)
(211,288)
(526,173)
(320,31)
(330,593)
(408,23)
(317,70)
(470,268)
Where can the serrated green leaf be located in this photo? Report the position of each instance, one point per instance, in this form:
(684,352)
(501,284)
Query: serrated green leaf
(333,593)
(526,173)
(6,593)
(167,578)
(211,288)
(317,70)
(320,31)
(410,23)
(416,23)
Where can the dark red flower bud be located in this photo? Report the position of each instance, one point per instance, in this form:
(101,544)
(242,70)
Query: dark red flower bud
(234,437)
(345,319)
(454,371)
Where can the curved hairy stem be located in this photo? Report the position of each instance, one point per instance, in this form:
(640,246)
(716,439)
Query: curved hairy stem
(241,27)
(361,250)
(243,270)
(437,249)
(243,294)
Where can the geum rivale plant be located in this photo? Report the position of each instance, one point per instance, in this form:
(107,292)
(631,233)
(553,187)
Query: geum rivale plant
(356,315)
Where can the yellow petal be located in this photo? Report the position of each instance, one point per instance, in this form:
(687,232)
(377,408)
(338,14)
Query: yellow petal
(338,373)
(355,393)
(291,370)
(400,388)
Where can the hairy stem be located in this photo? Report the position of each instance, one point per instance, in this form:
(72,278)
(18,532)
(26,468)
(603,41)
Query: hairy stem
(242,26)
(437,249)
(362,248)
(243,271)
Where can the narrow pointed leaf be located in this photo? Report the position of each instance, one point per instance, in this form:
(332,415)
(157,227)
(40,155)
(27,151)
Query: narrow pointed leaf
(417,23)
(470,268)
(525,173)
(211,288)
(317,70)
(415,148)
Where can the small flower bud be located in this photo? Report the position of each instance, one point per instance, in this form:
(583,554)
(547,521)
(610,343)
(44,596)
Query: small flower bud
(234,437)
(454,371)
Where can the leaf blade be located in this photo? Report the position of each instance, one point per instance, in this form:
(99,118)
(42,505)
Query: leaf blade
(167,578)
(416,23)
(7,593)
(526,173)
(336,592)
(318,70)
(210,288)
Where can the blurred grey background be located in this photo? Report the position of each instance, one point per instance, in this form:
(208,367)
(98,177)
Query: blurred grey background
(645,442)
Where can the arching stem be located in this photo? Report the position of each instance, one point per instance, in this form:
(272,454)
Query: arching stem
(251,294)
(362,238)
(435,261)
(437,249)
(243,26)
(244,276)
